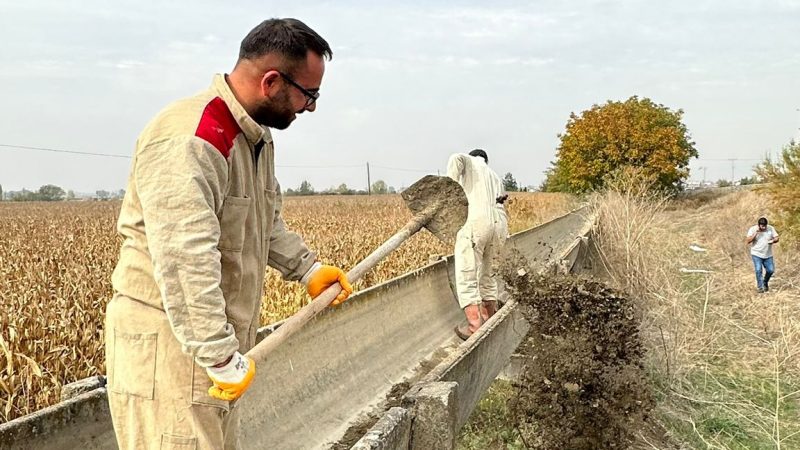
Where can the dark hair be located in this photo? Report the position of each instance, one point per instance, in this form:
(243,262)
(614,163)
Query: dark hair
(289,38)
(481,153)
(762,221)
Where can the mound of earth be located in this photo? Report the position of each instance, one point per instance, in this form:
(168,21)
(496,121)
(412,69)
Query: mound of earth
(583,385)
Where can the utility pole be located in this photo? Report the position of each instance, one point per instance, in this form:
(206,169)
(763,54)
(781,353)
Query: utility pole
(798,125)
(704,176)
(733,160)
(369,181)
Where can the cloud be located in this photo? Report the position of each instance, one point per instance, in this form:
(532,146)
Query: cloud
(43,69)
(128,64)
(536,61)
(518,61)
(414,65)
(458,61)
(374,63)
(496,19)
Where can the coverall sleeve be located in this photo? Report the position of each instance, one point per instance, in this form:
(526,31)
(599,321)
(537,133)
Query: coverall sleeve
(181,185)
(456,166)
(501,188)
(288,254)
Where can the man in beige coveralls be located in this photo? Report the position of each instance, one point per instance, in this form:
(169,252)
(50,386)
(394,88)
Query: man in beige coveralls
(201,220)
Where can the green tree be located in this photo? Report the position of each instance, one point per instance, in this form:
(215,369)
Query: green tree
(70,195)
(782,184)
(102,195)
(344,190)
(724,183)
(748,180)
(1,192)
(379,187)
(20,196)
(305,188)
(635,133)
(50,193)
(510,183)
(555,179)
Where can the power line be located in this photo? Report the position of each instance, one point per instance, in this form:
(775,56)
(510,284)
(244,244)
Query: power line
(111,155)
(56,150)
(400,169)
(346,166)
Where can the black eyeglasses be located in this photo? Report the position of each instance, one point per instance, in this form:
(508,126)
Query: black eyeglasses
(311,97)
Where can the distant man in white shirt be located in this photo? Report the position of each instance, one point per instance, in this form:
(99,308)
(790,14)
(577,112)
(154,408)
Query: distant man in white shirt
(761,237)
(479,239)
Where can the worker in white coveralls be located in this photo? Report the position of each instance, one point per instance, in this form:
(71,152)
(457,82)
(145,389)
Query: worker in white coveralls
(200,222)
(479,239)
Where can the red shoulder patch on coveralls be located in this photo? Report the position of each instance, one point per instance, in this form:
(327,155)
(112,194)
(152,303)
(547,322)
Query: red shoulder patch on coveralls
(218,127)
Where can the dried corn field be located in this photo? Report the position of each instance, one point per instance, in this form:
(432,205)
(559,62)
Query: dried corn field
(56,261)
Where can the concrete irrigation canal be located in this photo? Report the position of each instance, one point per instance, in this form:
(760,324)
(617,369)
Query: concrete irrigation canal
(384,371)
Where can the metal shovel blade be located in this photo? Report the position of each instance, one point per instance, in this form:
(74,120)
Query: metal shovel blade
(446,198)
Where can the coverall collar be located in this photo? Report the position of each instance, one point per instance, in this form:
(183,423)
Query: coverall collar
(252,130)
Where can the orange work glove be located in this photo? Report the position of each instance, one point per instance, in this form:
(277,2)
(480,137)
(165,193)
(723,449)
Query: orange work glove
(232,378)
(321,277)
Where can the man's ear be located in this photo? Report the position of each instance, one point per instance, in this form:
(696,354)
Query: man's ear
(270,83)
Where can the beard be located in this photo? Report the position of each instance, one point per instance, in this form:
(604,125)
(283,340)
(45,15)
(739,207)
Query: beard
(276,112)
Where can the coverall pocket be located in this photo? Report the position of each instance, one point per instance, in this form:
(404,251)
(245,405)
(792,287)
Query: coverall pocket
(200,385)
(170,442)
(134,364)
(232,223)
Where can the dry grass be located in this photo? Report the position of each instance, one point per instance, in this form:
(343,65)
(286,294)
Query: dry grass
(725,360)
(56,261)
(55,267)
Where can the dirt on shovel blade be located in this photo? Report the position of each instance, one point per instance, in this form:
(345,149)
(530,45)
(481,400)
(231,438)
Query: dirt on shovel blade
(583,385)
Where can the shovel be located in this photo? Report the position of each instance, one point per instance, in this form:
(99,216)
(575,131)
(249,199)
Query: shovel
(438,204)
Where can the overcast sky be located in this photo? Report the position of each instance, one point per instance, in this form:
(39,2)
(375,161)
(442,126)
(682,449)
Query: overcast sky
(409,83)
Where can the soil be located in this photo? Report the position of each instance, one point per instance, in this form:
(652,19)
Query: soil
(447,197)
(584,386)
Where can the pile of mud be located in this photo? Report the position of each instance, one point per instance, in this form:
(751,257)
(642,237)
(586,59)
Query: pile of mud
(583,385)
